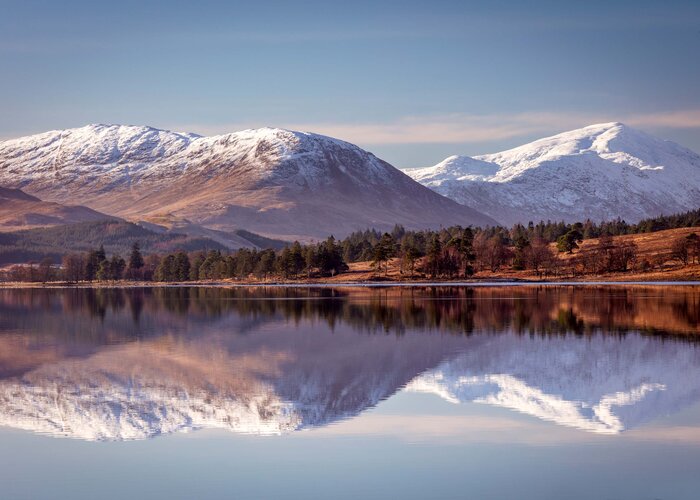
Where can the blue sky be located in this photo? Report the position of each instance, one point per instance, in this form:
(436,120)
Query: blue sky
(413,82)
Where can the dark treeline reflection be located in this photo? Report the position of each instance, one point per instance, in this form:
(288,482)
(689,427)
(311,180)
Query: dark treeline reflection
(114,315)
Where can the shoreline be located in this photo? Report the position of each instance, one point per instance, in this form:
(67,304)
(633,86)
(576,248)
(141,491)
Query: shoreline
(343,284)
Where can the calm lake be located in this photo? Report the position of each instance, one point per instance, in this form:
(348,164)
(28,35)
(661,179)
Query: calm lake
(522,392)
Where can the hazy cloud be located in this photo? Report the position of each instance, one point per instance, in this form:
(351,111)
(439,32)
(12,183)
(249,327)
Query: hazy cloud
(673,119)
(467,128)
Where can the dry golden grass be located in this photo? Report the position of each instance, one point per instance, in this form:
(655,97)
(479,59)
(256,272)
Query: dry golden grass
(652,247)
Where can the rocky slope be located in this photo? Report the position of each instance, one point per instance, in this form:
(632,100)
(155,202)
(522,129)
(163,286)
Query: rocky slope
(599,172)
(274,182)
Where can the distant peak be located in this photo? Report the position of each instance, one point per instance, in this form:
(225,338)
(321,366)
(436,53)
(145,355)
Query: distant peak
(612,127)
(608,125)
(592,130)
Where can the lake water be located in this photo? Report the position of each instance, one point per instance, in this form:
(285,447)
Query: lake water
(527,392)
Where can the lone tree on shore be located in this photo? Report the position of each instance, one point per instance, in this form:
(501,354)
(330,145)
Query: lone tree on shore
(569,242)
(679,250)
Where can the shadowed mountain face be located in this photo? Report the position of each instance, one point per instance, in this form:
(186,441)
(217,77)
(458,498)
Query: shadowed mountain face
(18,210)
(274,182)
(133,364)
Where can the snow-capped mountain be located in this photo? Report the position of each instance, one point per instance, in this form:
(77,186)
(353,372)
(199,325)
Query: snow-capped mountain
(599,172)
(271,181)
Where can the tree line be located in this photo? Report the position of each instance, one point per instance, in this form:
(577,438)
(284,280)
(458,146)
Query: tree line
(359,246)
(294,261)
(448,253)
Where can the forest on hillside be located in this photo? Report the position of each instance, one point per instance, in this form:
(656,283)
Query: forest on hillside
(117,237)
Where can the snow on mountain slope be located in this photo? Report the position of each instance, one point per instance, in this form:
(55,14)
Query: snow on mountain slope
(599,172)
(271,181)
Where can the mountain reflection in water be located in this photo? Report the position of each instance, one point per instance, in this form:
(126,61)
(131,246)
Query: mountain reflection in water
(119,364)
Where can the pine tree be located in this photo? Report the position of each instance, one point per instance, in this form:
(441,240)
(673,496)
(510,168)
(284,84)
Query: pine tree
(433,256)
(166,270)
(522,244)
(213,266)
(266,264)
(104,272)
(467,250)
(195,266)
(136,262)
(464,245)
(569,241)
(283,263)
(409,255)
(116,267)
(182,266)
(94,261)
(330,258)
(310,259)
(296,259)
(384,250)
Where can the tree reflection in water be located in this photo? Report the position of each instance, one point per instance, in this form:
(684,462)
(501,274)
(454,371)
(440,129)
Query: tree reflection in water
(134,363)
(527,310)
